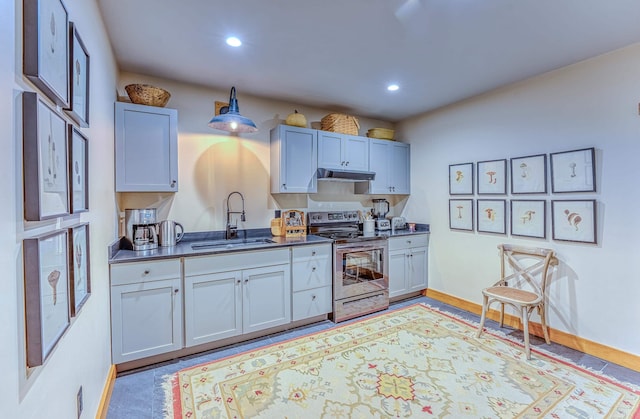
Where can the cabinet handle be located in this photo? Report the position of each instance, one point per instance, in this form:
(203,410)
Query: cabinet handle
(173,183)
(408,241)
(246,281)
(313,269)
(175,291)
(147,271)
(347,164)
(284,186)
(238,282)
(313,253)
(313,298)
(341,163)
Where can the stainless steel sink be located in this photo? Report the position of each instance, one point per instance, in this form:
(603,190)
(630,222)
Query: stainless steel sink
(229,243)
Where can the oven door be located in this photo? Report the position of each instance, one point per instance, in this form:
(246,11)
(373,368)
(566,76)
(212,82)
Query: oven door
(360,268)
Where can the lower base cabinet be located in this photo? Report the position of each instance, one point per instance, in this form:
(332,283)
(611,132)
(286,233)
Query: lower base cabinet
(222,301)
(407,264)
(146,309)
(311,269)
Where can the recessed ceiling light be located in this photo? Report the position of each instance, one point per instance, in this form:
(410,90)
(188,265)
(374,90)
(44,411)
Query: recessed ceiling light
(393,87)
(233,41)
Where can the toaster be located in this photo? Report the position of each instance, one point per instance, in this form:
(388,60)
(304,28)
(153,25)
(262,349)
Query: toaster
(398,223)
(382,224)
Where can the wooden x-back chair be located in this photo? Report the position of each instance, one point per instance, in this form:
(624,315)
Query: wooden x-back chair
(527,266)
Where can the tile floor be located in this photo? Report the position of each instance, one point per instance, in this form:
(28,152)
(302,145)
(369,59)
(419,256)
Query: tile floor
(138,394)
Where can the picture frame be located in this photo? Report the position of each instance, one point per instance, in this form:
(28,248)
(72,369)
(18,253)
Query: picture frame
(46,293)
(461,214)
(80,267)
(461,179)
(78,171)
(573,171)
(79,70)
(45,160)
(46,48)
(491,215)
(529,218)
(492,177)
(574,220)
(529,174)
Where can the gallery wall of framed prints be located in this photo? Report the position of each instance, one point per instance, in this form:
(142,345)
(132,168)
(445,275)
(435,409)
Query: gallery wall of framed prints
(55,151)
(526,213)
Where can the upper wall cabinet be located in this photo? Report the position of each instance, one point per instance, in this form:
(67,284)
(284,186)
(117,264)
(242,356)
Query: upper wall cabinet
(294,159)
(390,160)
(146,148)
(343,152)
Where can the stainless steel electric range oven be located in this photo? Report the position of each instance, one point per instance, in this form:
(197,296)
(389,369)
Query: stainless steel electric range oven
(360,276)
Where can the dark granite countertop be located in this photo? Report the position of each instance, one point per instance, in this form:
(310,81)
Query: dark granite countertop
(119,254)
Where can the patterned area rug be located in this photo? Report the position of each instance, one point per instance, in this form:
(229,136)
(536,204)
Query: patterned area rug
(413,362)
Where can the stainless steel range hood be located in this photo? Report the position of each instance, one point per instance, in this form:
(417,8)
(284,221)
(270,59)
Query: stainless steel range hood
(345,175)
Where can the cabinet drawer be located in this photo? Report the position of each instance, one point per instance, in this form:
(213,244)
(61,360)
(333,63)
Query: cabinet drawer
(135,272)
(199,265)
(310,303)
(311,273)
(406,242)
(306,252)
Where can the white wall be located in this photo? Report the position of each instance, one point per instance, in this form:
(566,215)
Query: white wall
(212,164)
(82,356)
(590,104)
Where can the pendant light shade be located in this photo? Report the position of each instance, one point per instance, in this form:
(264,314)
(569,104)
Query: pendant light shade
(232,121)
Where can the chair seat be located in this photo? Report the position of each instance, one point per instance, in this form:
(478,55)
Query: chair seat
(513,294)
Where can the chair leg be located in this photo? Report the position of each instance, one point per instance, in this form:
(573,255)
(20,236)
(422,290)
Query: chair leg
(543,321)
(525,324)
(501,315)
(485,301)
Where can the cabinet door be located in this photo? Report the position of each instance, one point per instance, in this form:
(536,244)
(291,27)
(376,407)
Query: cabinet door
(212,307)
(266,297)
(379,160)
(400,170)
(397,272)
(356,153)
(146,148)
(417,269)
(294,157)
(146,319)
(330,150)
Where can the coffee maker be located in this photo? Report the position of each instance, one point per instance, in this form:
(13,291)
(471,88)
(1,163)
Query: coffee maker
(141,228)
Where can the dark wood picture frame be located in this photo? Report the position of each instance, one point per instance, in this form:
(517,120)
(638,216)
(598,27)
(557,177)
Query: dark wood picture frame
(78,170)
(573,171)
(45,160)
(80,267)
(461,179)
(491,216)
(46,293)
(492,177)
(529,174)
(79,69)
(461,214)
(574,220)
(529,218)
(46,48)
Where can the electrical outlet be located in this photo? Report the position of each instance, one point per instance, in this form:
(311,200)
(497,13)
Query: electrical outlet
(79,402)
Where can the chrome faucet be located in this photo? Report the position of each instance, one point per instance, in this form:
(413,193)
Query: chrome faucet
(232,230)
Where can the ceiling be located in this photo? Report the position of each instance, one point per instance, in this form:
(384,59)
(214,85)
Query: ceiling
(341,54)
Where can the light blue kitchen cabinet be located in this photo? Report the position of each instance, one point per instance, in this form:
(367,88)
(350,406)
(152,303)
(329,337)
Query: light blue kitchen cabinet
(146,148)
(232,294)
(342,151)
(311,279)
(294,158)
(407,264)
(390,160)
(146,309)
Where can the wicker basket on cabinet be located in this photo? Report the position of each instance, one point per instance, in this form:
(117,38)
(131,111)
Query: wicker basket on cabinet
(344,124)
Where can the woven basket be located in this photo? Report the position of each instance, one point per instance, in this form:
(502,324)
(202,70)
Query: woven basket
(144,94)
(381,133)
(344,124)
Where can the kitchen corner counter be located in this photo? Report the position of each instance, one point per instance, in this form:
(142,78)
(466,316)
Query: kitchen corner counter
(184,247)
(420,229)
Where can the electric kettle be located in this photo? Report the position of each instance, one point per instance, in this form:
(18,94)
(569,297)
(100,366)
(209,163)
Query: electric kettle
(170,233)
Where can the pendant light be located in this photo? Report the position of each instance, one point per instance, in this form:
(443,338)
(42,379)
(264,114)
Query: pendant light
(232,121)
